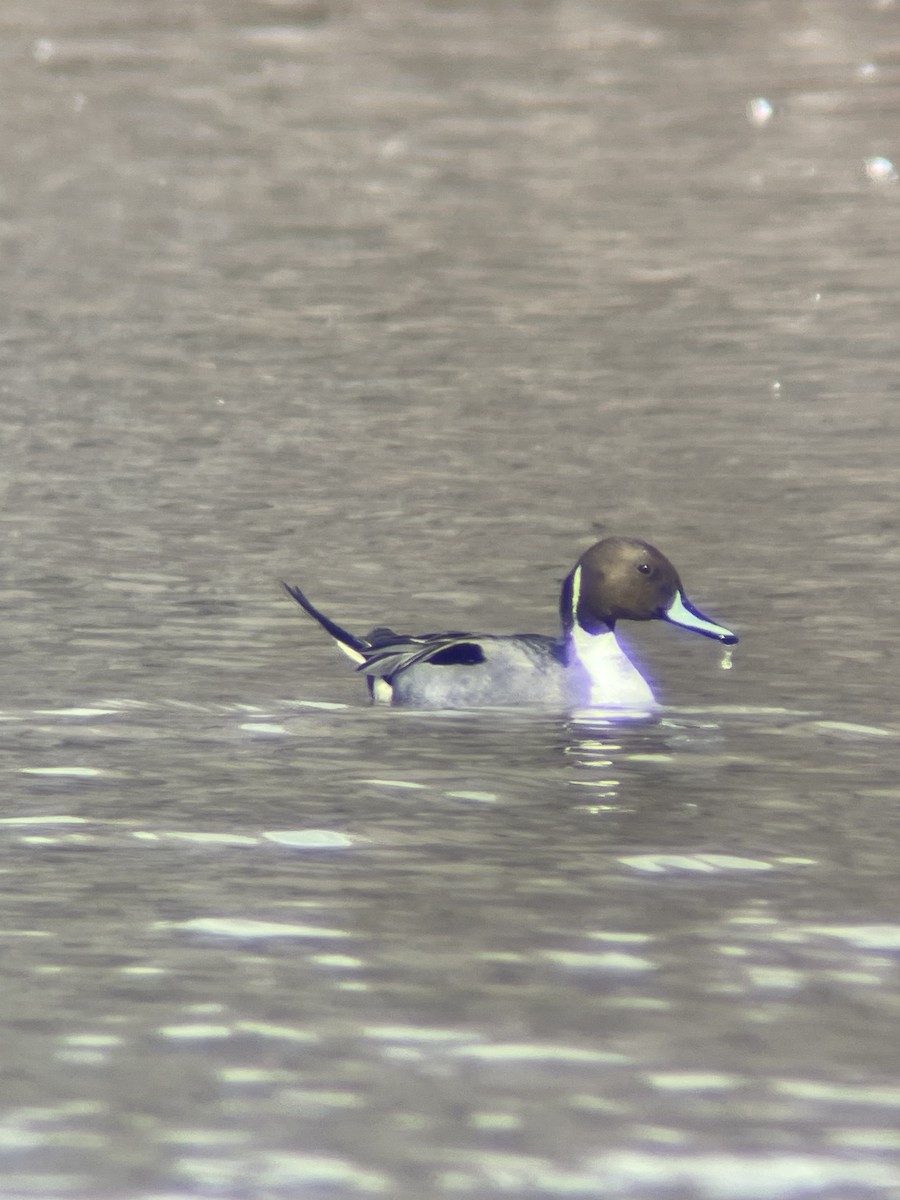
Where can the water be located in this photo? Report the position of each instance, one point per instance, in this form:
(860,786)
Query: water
(409,303)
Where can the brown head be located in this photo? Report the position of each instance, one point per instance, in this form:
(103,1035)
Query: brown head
(623,578)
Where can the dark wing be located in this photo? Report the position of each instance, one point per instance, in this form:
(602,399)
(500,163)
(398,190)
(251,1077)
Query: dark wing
(383,653)
(391,653)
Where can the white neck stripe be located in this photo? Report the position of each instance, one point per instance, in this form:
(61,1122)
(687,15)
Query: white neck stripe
(576,594)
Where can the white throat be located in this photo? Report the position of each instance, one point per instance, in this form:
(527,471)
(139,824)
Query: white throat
(613,678)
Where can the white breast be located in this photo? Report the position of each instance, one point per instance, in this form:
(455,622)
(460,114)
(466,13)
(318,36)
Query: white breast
(613,678)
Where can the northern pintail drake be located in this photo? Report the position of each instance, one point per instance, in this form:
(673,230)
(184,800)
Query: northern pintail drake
(618,578)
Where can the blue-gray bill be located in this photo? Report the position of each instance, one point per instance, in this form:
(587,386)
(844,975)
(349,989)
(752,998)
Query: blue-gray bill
(682,612)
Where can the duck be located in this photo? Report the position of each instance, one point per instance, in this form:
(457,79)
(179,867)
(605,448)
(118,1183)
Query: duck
(616,579)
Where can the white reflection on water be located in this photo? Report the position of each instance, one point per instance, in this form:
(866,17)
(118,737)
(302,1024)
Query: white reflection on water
(280,1170)
(244,927)
(864,937)
(615,961)
(726,1176)
(311,839)
(658,864)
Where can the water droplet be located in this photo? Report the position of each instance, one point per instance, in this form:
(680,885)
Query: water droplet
(727,660)
(880,170)
(759,111)
(43,50)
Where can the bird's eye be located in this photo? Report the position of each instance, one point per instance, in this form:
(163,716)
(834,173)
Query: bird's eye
(644,568)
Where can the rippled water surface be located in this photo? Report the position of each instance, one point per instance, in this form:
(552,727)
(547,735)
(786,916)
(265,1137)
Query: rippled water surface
(408,303)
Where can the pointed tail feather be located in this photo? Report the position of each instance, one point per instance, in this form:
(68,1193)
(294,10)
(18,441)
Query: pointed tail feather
(351,645)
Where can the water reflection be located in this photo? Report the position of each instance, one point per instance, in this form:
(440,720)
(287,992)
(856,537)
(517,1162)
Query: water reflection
(519,910)
(603,749)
